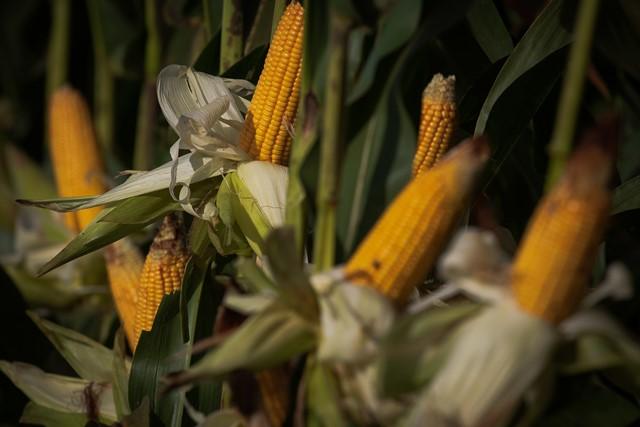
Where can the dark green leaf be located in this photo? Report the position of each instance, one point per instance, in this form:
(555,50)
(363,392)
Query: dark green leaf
(165,348)
(545,36)
(626,197)
(394,29)
(489,30)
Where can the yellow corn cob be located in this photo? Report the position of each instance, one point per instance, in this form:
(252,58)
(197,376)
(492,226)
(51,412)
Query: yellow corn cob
(77,163)
(161,274)
(274,390)
(554,261)
(265,135)
(404,244)
(436,122)
(124,265)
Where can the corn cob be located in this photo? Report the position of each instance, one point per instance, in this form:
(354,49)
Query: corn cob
(77,163)
(161,274)
(124,265)
(436,122)
(553,263)
(273,107)
(404,244)
(274,390)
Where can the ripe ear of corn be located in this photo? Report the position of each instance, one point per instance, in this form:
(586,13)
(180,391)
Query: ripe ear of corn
(75,154)
(124,265)
(403,246)
(275,101)
(274,390)
(436,122)
(161,274)
(553,263)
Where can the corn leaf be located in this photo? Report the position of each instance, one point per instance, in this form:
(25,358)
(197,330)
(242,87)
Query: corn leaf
(165,348)
(489,30)
(291,283)
(120,366)
(626,197)
(90,359)
(59,392)
(394,29)
(413,350)
(323,399)
(264,340)
(545,36)
(47,417)
(224,418)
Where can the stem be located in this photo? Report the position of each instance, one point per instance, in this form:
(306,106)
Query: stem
(325,236)
(278,10)
(103,80)
(572,89)
(231,34)
(58,57)
(143,151)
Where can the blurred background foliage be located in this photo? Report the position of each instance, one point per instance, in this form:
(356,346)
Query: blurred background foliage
(508,60)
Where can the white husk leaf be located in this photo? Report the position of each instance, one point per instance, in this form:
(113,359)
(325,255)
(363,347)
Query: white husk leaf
(494,359)
(353,320)
(475,263)
(58,392)
(267,183)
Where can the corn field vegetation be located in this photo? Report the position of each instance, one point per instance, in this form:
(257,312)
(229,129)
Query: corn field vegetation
(265,213)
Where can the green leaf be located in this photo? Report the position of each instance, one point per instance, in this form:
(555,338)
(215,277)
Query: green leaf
(97,235)
(224,418)
(414,349)
(47,417)
(291,282)
(323,397)
(489,30)
(253,278)
(545,36)
(90,359)
(262,341)
(165,348)
(394,29)
(374,167)
(59,392)
(121,367)
(585,403)
(626,196)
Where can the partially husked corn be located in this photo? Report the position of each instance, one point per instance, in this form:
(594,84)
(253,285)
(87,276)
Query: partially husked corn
(436,122)
(404,244)
(161,274)
(554,261)
(124,265)
(77,163)
(265,135)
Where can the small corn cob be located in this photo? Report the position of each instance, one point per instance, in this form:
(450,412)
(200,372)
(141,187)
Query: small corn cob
(403,246)
(274,390)
(553,263)
(273,107)
(436,122)
(161,274)
(124,265)
(77,163)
